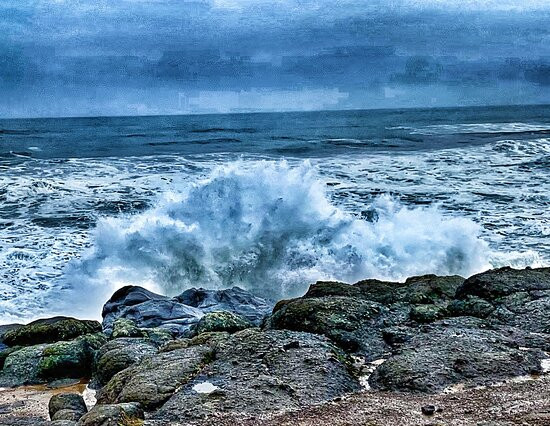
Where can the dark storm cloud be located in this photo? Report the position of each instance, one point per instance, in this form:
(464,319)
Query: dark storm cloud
(62,57)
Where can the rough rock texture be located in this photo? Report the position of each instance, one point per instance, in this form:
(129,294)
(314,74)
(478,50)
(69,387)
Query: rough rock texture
(50,330)
(460,350)
(354,316)
(251,371)
(67,402)
(119,354)
(219,322)
(512,404)
(113,415)
(149,310)
(259,372)
(519,298)
(47,362)
(435,331)
(235,300)
(155,379)
(3,330)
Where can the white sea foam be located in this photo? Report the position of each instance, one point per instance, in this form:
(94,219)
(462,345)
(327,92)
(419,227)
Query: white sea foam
(270,227)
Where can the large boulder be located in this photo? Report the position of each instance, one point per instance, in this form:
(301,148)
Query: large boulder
(119,354)
(3,330)
(251,371)
(50,330)
(519,298)
(154,380)
(177,315)
(497,283)
(355,316)
(461,350)
(47,362)
(352,323)
(255,372)
(235,300)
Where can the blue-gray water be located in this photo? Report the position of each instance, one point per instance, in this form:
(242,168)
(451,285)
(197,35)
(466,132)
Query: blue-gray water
(270,202)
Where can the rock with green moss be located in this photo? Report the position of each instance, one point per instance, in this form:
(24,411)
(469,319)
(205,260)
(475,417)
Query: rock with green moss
(4,354)
(354,324)
(128,414)
(463,350)
(152,381)
(355,316)
(123,327)
(119,354)
(220,321)
(471,306)
(427,313)
(47,362)
(256,372)
(50,330)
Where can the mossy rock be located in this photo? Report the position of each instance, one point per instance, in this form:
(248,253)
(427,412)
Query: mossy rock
(123,327)
(127,414)
(46,362)
(70,359)
(50,330)
(221,322)
(427,313)
(471,306)
(4,354)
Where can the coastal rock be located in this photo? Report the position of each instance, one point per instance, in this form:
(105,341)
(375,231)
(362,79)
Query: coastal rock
(354,324)
(258,372)
(121,300)
(67,415)
(156,378)
(502,282)
(3,330)
(462,350)
(66,401)
(124,327)
(235,300)
(519,298)
(149,310)
(119,354)
(113,415)
(50,330)
(47,362)
(355,316)
(219,322)
(425,289)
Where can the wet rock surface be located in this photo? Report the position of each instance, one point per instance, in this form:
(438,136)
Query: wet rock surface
(48,362)
(50,330)
(433,331)
(208,354)
(259,372)
(176,315)
(64,402)
(119,354)
(113,415)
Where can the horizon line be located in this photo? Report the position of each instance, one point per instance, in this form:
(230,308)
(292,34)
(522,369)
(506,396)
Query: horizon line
(408,108)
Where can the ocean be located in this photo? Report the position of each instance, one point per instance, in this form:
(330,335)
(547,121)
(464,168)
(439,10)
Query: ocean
(270,202)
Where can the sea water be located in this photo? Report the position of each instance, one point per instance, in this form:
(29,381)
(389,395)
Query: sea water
(268,202)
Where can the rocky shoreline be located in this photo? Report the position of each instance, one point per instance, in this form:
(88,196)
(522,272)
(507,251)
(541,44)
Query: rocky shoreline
(384,351)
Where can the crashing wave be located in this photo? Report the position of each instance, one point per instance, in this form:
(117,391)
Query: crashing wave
(271,228)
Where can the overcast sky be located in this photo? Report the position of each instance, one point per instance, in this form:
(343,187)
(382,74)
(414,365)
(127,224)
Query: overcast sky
(127,57)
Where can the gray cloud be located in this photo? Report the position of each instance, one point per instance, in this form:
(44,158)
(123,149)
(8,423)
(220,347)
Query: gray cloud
(61,57)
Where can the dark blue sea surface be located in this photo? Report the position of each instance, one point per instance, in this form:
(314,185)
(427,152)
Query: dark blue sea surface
(270,202)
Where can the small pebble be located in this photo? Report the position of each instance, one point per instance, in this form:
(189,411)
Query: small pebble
(428,410)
